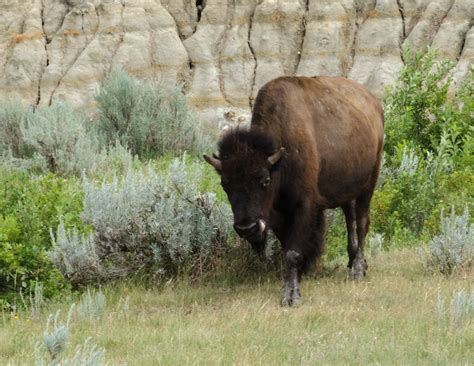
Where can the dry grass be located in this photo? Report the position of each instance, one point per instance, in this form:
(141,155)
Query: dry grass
(389,318)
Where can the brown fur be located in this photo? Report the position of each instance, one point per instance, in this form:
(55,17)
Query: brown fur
(332,131)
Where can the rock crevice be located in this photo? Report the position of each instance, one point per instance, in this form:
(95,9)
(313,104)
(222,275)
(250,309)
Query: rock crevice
(222,51)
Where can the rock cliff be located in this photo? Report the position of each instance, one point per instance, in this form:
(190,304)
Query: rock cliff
(221,51)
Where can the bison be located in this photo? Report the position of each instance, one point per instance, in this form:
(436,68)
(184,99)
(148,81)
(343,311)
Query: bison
(314,143)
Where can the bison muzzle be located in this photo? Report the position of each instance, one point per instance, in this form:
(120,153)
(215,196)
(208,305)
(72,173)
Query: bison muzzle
(313,144)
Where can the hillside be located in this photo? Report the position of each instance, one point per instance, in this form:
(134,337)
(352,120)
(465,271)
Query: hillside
(222,51)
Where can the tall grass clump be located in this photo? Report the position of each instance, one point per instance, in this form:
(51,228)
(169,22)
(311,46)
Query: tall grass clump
(144,119)
(453,248)
(161,224)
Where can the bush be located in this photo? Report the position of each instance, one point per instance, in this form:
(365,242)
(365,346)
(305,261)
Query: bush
(428,150)
(143,119)
(12,117)
(163,224)
(462,309)
(61,137)
(56,342)
(454,247)
(77,258)
(418,110)
(28,207)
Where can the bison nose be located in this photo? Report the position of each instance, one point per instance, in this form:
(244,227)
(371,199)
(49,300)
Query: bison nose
(245,227)
(246,230)
(249,229)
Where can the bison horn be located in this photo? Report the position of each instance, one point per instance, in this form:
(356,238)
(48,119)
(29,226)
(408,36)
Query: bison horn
(214,161)
(275,157)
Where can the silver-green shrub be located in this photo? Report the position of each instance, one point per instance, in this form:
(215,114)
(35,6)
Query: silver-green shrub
(144,119)
(75,255)
(55,341)
(92,304)
(461,310)
(61,137)
(376,244)
(13,115)
(162,223)
(453,248)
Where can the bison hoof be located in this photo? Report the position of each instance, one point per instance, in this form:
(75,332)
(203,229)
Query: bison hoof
(358,269)
(291,297)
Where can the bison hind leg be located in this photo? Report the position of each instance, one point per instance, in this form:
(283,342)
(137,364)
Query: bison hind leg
(350,215)
(357,221)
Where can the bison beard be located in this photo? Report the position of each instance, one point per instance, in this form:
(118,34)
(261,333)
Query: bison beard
(313,144)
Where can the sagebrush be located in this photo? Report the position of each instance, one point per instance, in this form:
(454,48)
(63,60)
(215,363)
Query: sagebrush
(145,220)
(453,248)
(145,119)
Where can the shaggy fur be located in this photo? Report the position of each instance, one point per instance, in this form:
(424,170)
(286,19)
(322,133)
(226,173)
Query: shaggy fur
(313,144)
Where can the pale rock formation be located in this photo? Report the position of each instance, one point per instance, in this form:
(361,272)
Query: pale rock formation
(329,37)
(220,51)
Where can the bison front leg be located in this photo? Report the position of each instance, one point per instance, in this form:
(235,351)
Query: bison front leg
(305,243)
(291,287)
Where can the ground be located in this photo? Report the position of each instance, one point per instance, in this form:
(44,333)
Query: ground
(390,317)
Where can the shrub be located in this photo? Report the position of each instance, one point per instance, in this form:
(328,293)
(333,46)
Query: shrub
(163,224)
(415,106)
(56,341)
(454,247)
(375,244)
(418,111)
(462,309)
(143,119)
(28,207)
(61,137)
(77,258)
(12,116)
(428,150)
(92,304)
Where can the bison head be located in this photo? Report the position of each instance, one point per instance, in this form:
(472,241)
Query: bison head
(248,163)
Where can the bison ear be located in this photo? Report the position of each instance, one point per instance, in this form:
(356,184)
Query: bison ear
(273,159)
(214,161)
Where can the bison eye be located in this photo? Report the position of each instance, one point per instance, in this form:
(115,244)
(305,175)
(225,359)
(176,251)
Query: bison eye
(265,182)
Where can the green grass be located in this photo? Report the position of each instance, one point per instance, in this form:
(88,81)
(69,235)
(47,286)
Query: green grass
(388,318)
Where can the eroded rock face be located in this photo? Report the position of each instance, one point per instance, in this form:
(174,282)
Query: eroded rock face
(221,51)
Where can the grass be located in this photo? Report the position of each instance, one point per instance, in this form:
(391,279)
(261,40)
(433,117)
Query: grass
(388,318)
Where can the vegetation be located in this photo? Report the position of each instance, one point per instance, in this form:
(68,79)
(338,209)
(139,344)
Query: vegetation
(453,248)
(29,206)
(148,221)
(142,118)
(126,196)
(392,317)
(43,202)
